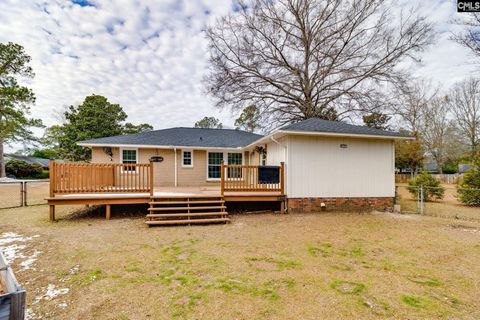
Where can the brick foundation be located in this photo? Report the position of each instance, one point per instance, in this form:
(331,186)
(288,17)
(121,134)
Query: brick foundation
(339,204)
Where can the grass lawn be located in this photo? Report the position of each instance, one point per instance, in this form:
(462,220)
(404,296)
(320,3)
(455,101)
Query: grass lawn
(298,266)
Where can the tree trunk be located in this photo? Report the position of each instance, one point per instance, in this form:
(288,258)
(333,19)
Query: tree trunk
(2,161)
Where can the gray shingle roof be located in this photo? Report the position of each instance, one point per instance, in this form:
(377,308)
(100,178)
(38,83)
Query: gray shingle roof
(43,162)
(320,125)
(187,137)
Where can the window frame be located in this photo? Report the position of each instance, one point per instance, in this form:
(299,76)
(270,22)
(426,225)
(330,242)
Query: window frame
(191,159)
(225,159)
(121,160)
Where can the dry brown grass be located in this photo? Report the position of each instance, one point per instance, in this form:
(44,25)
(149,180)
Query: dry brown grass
(448,207)
(10,193)
(312,266)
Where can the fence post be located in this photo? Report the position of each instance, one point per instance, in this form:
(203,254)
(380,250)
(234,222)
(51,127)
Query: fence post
(421,199)
(24,191)
(22,198)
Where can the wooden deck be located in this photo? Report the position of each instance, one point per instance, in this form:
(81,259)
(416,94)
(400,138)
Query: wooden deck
(108,184)
(161,192)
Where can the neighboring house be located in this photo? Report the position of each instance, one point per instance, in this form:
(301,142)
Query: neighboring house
(431,167)
(462,168)
(322,160)
(45,163)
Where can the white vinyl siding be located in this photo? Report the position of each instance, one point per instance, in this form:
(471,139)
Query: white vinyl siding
(319,167)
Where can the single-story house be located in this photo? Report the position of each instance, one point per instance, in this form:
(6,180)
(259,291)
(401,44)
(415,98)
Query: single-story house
(45,163)
(306,166)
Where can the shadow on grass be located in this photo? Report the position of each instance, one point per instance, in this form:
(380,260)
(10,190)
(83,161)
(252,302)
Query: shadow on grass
(117,212)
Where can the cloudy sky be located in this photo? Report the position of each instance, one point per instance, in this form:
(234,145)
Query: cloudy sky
(150,55)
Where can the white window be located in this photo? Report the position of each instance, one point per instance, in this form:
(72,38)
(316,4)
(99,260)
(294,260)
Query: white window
(129,156)
(187,158)
(235,159)
(214,164)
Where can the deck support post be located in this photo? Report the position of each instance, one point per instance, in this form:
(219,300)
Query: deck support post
(52,188)
(52,178)
(282,178)
(107,211)
(52,213)
(282,207)
(222,179)
(151,178)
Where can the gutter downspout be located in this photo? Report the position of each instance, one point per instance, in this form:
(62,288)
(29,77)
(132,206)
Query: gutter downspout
(176,164)
(286,175)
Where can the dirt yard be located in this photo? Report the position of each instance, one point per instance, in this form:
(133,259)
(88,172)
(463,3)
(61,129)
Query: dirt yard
(312,266)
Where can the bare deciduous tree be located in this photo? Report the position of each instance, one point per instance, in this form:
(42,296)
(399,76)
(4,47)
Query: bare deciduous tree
(297,59)
(412,98)
(470,37)
(464,102)
(437,131)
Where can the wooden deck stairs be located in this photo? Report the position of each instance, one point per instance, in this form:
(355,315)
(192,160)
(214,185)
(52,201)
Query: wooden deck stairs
(186,210)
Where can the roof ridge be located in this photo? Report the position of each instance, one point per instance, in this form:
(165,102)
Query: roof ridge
(323,125)
(354,125)
(231,129)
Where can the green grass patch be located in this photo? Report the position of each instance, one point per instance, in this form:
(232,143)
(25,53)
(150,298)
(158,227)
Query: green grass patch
(416,301)
(432,282)
(268,290)
(133,269)
(272,264)
(347,287)
(88,277)
(184,304)
(323,249)
(357,251)
(232,286)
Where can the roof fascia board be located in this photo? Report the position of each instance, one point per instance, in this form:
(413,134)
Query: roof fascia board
(147,146)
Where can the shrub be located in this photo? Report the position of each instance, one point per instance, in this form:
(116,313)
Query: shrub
(468,188)
(432,189)
(45,174)
(450,168)
(22,169)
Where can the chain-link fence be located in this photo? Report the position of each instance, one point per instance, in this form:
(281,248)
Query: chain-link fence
(23,193)
(445,201)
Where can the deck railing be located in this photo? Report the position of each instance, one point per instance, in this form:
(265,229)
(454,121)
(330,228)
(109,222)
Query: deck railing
(248,178)
(100,178)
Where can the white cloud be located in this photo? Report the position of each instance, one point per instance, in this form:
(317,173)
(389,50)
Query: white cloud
(150,56)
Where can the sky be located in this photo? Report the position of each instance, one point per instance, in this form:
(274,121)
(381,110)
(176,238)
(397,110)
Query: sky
(150,55)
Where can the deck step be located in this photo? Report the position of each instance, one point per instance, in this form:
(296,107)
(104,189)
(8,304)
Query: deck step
(187,201)
(197,209)
(192,214)
(186,221)
(186,208)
